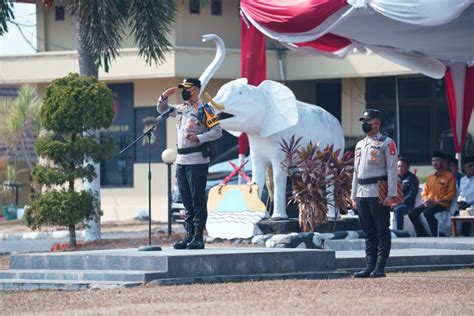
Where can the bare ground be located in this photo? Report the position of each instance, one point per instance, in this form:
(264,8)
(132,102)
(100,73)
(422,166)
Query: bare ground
(429,293)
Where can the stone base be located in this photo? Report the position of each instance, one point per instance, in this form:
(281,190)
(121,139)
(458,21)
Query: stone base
(291,225)
(279,226)
(344,224)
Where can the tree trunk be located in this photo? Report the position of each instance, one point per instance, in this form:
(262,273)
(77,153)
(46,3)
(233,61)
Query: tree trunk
(87,67)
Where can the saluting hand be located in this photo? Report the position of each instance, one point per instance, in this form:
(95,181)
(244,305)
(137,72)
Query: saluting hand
(169,92)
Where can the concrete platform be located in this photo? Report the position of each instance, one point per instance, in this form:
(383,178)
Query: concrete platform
(73,270)
(410,259)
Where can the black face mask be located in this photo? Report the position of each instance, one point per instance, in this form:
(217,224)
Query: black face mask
(186,95)
(366,127)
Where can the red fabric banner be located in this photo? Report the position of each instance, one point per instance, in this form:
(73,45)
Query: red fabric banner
(467,107)
(291,16)
(327,43)
(253,63)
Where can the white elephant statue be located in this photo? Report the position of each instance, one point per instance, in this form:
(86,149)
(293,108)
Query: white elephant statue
(269,113)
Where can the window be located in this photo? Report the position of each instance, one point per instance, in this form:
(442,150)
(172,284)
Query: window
(328,96)
(423,113)
(59,13)
(216,7)
(194,6)
(118,171)
(380,95)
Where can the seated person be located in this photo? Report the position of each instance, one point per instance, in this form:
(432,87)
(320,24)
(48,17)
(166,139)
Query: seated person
(466,192)
(410,190)
(438,193)
(454,168)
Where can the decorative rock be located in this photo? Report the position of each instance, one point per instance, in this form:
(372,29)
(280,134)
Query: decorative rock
(327,235)
(142,216)
(301,246)
(351,234)
(340,234)
(318,241)
(261,239)
(282,239)
(209,240)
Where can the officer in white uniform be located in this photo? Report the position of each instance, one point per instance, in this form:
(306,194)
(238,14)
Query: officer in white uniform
(375,160)
(197,125)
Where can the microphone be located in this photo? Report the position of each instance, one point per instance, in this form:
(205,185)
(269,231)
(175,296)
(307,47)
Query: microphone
(166,113)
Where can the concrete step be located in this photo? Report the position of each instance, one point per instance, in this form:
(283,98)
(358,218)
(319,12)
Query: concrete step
(90,260)
(61,285)
(458,243)
(81,275)
(409,257)
(187,263)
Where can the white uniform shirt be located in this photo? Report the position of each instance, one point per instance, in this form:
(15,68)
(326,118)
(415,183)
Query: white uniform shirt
(466,190)
(374,157)
(187,122)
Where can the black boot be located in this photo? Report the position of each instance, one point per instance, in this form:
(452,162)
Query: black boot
(189,236)
(370,266)
(379,271)
(197,242)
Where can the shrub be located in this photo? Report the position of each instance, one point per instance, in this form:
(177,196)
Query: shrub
(72,106)
(316,175)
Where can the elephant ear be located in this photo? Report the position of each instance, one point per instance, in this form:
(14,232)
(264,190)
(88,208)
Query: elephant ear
(281,108)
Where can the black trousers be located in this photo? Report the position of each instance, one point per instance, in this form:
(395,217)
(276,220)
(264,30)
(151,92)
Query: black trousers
(375,222)
(428,212)
(192,187)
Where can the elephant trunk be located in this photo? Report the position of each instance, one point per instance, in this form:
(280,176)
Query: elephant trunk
(214,103)
(216,62)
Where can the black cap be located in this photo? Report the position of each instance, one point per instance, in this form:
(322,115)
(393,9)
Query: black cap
(469,159)
(453,160)
(189,82)
(370,114)
(439,154)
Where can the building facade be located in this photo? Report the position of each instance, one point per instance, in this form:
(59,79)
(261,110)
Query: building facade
(414,106)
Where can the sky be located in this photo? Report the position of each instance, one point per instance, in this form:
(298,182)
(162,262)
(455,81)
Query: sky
(12,43)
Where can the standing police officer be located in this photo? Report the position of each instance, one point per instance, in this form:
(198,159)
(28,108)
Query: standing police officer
(197,125)
(375,160)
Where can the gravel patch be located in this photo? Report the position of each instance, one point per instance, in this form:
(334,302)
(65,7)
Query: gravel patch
(429,293)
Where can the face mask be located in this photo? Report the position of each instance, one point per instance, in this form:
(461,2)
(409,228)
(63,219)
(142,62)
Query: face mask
(366,127)
(186,95)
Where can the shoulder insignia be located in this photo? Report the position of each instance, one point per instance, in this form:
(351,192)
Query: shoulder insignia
(210,117)
(392,147)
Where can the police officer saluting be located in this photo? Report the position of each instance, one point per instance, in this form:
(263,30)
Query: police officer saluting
(375,161)
(197,125)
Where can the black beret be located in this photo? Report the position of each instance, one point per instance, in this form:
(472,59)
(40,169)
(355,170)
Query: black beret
(469,159)
(439,154)
(370,114)
(189,82)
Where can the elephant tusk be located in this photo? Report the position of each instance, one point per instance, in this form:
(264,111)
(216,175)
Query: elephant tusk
(214,103)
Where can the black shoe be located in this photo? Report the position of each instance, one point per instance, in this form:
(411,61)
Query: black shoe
(379,271)
(180,245)
(370,266)
(197,242)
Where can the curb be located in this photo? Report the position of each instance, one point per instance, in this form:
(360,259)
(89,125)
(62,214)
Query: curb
(62,234)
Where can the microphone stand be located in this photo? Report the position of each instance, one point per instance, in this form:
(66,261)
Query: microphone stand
(148,132)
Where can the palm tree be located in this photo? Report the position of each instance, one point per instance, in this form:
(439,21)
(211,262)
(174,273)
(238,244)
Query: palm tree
(6,15)
(100,28)
(19,127)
